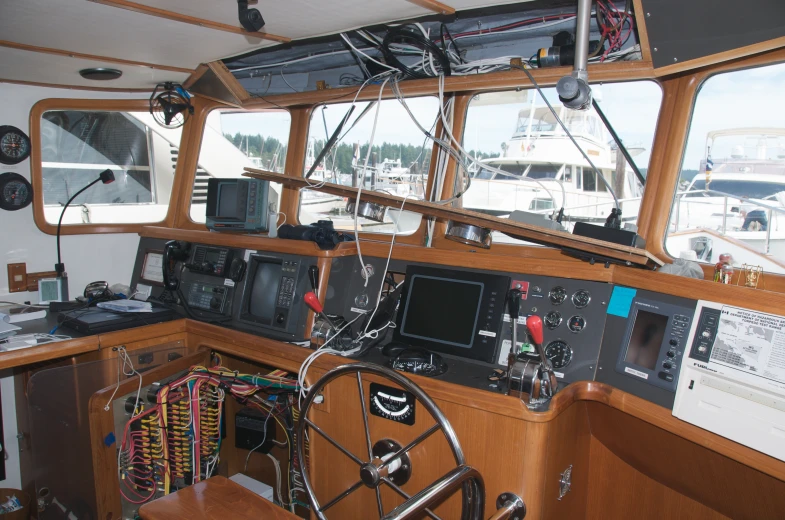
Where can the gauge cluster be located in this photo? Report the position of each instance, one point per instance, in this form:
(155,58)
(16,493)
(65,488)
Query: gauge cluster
(573,314)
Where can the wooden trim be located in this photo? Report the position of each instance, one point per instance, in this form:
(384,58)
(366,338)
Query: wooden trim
(504,80)
(721,57)
(229,81)
(630,255)
(295,161)
(434,5)
(643,33)
(79,55)
(60,349)
(183,18)
(118,90)
(36,170)
(197,73)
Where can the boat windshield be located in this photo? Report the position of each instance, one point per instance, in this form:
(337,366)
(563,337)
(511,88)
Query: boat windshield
(577,121)
(746,189)
(533,171)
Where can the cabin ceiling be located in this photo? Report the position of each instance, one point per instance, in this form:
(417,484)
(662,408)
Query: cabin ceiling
(36,36)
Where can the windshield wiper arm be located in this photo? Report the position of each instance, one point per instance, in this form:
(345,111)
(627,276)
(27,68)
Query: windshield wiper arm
(616,138)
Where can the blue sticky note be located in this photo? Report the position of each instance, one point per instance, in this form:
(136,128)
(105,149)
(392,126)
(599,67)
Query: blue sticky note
(621,301)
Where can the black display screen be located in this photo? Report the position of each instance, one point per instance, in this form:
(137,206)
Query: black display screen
(646,339)
(227,200)
(442,310)
(213,256)
(264,290)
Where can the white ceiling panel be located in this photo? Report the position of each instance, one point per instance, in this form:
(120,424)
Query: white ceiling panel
(48,68)
(90,28)
(300,18)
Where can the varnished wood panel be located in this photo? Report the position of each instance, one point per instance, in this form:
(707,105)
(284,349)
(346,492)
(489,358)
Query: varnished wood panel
(687,467)
(630,255)
(217,498)
(618,491)
(60,349)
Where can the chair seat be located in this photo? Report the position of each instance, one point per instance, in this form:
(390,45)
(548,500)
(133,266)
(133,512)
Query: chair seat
(217,498)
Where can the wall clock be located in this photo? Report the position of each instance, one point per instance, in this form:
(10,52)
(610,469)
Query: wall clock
(14,145)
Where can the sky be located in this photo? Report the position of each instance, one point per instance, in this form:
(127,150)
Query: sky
(632,108)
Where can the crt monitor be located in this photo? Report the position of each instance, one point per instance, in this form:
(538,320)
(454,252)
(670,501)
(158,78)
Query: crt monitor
(243,205)
(453,312)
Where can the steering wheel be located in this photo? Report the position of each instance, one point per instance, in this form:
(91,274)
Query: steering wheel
(387,462)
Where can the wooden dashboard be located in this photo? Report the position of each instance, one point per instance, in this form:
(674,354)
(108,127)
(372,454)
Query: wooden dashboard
(627,457)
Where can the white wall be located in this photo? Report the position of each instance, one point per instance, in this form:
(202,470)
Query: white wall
(87,258)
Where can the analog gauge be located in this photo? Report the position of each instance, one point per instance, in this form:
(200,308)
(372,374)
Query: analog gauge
(581,298)
(14,145)
(15,192)
(553,319)
(557,295)
(576,324)
(559,352)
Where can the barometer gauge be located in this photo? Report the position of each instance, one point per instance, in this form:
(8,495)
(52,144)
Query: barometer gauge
(15,192)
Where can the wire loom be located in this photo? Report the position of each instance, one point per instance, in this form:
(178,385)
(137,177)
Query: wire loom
(177,441)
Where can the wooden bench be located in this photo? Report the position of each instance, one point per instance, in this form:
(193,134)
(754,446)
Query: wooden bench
(217,498)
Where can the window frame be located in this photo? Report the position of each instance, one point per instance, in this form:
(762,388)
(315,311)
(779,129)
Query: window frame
(36,166)
(190,164)
(417,237)
(461,111)
(683,96)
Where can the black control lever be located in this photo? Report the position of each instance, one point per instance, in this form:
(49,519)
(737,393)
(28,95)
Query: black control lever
(514,305)
(313,276)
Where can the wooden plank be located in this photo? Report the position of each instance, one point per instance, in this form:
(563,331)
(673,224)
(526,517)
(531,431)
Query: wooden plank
(229,81)
(71,54)
(195,75)
(226,500)
(183,18)
(630,255)
(59,349)
(434,5)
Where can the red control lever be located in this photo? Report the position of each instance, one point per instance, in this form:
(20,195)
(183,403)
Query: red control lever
(312,301)
(316,306)
(534,324)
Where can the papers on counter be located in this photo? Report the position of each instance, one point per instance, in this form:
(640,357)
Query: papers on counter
(126,306)
(6,329)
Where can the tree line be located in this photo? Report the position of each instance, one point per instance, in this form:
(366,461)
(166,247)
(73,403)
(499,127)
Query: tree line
(257,146)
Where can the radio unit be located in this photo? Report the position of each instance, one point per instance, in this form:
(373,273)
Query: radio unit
(242,205)
(206,296)
(209,260)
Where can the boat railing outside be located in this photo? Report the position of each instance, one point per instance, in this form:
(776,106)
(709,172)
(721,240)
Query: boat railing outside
(726,197)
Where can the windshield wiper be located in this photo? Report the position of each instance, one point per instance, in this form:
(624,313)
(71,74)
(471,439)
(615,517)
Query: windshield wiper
(615,136)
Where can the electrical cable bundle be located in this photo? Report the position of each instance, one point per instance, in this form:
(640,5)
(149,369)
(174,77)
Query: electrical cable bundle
(177,441)
(611,23)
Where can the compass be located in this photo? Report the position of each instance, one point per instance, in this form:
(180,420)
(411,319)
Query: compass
(14,145)
(15,192)
(392,403)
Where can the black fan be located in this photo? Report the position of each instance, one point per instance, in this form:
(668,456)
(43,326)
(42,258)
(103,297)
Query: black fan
(170,105)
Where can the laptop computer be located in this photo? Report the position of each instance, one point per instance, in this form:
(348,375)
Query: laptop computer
(99,321)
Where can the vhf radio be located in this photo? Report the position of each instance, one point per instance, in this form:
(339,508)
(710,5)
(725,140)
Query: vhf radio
(209,260)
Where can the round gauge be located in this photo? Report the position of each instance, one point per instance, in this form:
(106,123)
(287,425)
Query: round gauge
(557,295)
(15,191)
(14,145)
(559,352)
(576,324)
(581,298)
(553,319)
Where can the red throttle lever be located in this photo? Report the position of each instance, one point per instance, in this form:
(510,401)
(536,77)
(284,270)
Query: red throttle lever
(534,325)
(312,301)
